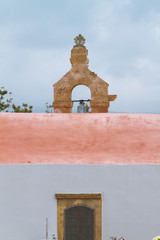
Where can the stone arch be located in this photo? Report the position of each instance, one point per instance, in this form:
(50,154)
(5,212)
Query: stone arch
(80,84)
(79,205)
(80,92)
(63,94)
(81,75)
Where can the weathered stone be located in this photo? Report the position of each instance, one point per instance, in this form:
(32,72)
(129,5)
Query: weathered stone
(81,75)
(66,201)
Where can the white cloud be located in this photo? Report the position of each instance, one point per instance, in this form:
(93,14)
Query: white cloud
(30,74)
(156,31)
(122,37)
(143,63)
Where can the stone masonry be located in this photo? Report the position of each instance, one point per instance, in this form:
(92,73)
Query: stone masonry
(81,75)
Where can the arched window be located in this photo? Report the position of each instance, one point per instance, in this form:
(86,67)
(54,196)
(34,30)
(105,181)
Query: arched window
(79,223)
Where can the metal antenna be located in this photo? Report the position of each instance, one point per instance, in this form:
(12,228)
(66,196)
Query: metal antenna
(46,228)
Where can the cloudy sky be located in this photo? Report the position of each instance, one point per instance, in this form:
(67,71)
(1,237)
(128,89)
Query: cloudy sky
(122,38)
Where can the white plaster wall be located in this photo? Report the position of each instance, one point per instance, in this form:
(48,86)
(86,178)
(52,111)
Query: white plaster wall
(130,198)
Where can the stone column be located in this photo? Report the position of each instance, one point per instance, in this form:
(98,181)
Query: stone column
(63,107)
(99,106)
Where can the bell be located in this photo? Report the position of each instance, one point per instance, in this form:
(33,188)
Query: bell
(81,108)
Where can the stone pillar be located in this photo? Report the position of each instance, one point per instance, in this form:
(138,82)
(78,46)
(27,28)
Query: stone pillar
(99,106)
(62,107)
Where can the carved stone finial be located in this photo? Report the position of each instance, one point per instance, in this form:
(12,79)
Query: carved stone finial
(80,41)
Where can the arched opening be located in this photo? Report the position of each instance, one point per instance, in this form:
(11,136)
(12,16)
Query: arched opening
(79,223)
(81,92)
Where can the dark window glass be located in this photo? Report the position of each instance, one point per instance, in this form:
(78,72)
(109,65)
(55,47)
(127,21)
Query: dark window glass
(79,223)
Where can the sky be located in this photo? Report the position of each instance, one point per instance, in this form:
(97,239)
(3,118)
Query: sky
(122,38)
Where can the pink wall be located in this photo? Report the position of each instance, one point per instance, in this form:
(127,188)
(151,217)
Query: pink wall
(79,138)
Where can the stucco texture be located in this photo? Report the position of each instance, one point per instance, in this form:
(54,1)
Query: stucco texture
(130,198)
(79,138)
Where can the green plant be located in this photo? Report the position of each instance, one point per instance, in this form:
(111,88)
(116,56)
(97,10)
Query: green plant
(49,108)
(5,102)
(25,108)
(54,237)
(7,106)
(87,107)
(156,238)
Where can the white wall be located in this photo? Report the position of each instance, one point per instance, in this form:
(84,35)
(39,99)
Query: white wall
(130,197)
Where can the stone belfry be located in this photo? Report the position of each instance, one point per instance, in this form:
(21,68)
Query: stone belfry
(81,75)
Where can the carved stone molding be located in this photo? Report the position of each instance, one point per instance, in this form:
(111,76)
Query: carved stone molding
(81,75)
(78,196)
(91,200)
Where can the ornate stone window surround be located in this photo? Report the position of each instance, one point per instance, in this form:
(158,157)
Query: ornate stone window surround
(93,201)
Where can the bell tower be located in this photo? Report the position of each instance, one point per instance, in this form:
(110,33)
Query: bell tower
(81,75)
